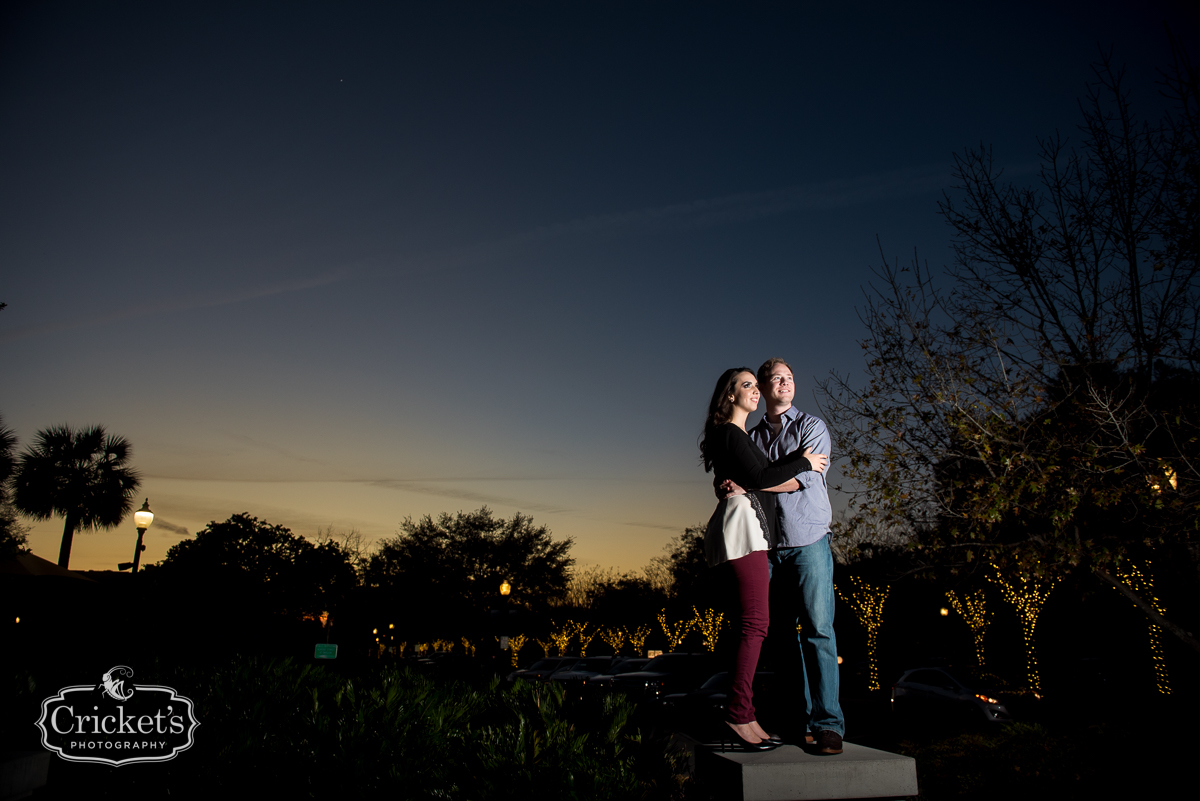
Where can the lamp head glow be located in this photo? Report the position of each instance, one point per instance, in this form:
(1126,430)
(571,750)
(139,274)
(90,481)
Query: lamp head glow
(143,517)
(943,611)
(505,588)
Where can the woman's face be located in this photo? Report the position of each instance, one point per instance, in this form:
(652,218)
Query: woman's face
(745,392)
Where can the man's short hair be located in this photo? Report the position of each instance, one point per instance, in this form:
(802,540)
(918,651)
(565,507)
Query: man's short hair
(764,372)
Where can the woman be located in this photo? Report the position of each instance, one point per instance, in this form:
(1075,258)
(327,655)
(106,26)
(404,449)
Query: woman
(742,529)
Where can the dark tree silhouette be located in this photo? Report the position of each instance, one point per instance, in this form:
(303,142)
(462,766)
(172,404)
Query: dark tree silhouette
(12,533)
(450,570)
(250,564)
(84,476)
(682,570)
(8,443)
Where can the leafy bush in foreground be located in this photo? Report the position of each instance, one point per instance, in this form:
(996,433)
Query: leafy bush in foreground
(284,728)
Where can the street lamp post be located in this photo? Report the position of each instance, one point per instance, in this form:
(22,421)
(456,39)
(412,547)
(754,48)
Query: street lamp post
(500,616)
(142,518)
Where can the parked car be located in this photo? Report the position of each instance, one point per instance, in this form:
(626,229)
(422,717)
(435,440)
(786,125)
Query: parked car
(577,677)
(664,674)
(700,708)
(543,668)
(591,666)
(604,681)
(933,691)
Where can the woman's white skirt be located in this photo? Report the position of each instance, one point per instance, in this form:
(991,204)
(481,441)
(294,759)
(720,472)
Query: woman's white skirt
(736,528)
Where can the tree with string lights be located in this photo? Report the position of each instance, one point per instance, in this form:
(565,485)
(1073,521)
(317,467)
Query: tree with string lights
(972,608)
(1027,593)
(1141,582)
(561,635)
(709,625)
(867,602)
(675,632)
(615,637)
(637,637)
(1038,405)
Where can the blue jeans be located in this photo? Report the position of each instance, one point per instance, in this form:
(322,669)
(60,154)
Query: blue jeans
(802,592)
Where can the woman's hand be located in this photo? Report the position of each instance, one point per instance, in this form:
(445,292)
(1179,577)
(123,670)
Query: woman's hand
(730,489)
(819,461)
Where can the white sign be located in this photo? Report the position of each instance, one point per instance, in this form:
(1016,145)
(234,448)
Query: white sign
(117,725)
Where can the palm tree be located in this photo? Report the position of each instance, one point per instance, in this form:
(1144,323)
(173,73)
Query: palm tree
(82,475)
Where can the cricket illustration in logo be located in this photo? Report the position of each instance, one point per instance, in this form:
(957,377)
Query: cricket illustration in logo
(115,687)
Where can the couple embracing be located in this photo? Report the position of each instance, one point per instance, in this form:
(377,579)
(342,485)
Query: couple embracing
(771,531)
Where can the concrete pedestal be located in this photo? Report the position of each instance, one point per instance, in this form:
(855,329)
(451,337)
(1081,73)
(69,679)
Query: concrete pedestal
(791,774)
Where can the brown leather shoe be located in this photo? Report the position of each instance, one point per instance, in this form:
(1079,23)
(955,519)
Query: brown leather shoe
(828,742)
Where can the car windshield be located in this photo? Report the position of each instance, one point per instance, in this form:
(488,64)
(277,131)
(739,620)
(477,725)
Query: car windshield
(934,678)
(627,665)
(720,681)
(594,663)
(667,662)
(542,664)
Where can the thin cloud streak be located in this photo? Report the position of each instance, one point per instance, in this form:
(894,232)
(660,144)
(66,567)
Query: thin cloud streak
(636,524)
(179,305)
(725,210)
(745,206)
(467,495)
(163,525)
(275,449)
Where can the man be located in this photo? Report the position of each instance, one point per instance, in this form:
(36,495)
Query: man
(802,564)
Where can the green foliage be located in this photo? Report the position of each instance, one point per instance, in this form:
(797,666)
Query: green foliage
(290,730)
(996,765)
(1023,760)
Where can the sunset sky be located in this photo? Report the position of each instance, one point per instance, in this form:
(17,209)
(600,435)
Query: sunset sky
(338,264)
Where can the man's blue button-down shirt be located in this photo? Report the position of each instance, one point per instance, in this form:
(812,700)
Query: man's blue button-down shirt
(804,515)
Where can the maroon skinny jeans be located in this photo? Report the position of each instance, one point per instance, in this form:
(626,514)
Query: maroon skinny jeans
(753,578)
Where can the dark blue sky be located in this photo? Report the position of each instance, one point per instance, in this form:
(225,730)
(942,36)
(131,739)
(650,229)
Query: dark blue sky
(390,259)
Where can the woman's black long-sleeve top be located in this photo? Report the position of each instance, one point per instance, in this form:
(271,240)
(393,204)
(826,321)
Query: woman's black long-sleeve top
(735,456)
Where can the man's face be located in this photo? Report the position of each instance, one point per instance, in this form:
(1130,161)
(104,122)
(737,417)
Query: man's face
(780,388)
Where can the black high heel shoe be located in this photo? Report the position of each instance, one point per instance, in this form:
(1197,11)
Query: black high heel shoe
(733,741)
(774,739)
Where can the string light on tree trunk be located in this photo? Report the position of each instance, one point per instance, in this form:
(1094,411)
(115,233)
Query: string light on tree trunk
(1027,595)
(867,602)
(637,637)
(675,633)
(1142,582)
(710,626)
(615,639)
(584,637)
(561,636)
(973,609)
(515,644)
